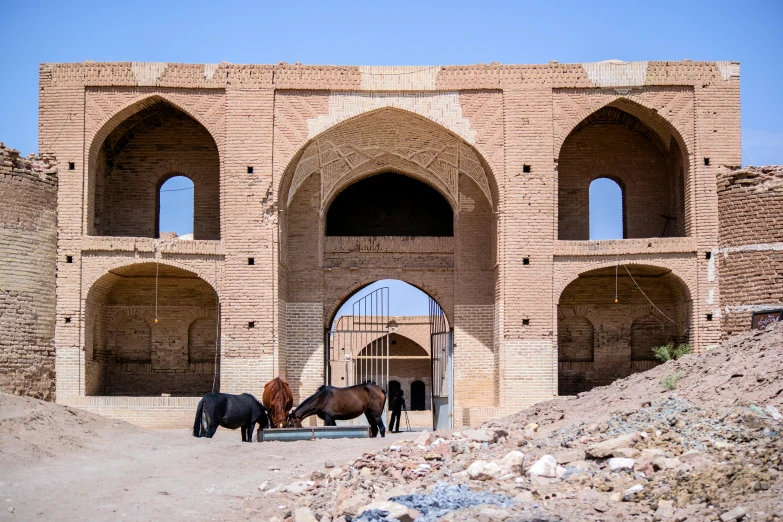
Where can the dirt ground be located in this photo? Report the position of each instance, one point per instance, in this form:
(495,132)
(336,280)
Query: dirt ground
(59,463)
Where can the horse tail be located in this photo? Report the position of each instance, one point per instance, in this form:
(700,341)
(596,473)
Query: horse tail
(197,422)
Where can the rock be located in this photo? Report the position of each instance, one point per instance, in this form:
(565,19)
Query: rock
(525,496)
(697,459)
(483,470)
(617,496)
(513,462)
(605,448)
(303,514)
(665,509)
(335,472)
(422,439)
(351,506)
(493,515)
(626,453)
(546,467)
(328,464)
(629,493)
(396,510)
(569,456)
(297,488)
(584,465)
(774,413)
(480,436)
(263,485)
(665,463)
(735,514)
(617,464)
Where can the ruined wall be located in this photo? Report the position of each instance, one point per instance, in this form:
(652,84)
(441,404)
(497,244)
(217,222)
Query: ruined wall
(750,257)
(28,248)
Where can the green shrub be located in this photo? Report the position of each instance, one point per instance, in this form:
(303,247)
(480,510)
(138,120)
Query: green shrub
(670,351)
(670,381)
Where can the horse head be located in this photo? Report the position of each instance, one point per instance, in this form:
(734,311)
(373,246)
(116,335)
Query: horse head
(293,420)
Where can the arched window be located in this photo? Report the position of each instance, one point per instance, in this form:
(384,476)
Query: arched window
(394,387)
(606,210)
(418,398)
(390,204)
(175,207)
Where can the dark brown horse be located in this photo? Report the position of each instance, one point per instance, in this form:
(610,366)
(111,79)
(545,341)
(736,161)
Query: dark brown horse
(332,404)
(278,401)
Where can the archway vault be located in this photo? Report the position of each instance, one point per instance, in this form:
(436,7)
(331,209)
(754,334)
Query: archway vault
(388,139)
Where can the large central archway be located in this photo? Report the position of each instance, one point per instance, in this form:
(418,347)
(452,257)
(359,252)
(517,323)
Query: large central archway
(389,195)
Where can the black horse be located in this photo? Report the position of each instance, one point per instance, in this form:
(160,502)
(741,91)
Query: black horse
(230,411)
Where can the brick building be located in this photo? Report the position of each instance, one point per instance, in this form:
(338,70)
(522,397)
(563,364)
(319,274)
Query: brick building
(311,182)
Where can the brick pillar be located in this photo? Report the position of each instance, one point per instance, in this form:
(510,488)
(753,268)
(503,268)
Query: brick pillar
(248,218)
(527,357)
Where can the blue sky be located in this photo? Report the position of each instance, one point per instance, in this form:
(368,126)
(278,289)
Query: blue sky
(397,33)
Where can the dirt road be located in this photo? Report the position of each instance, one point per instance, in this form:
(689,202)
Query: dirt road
(62,464)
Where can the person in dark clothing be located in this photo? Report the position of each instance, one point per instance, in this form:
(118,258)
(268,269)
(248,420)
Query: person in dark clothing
(397,405)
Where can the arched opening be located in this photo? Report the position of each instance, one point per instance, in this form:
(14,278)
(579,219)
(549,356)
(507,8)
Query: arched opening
(143,342)
(418,396)
(394,389)
(150,148)
(389,204)
(175,207)
(600,340)
(607,220)
(648,166)
(383,332)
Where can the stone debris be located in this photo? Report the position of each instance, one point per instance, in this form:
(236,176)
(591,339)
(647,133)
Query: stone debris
(669,458)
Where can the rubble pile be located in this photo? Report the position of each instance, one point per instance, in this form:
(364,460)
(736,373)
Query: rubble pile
(663,455)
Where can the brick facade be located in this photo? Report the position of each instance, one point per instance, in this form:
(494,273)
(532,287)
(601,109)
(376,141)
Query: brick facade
(511,148)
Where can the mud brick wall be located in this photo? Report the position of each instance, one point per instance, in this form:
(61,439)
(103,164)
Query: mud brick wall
(750,257)
(28,250)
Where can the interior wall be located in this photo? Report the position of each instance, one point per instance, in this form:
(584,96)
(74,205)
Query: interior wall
(623,333)
(615,145)
(138,157)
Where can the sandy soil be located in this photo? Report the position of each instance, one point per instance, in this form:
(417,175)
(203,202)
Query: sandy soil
(58,463)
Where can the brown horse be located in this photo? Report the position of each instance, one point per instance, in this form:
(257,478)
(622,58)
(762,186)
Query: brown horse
(332,404)
(278,400)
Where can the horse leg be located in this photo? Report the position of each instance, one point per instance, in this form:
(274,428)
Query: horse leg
(373,424)
(211,431)
(381,425)
(250,431)
(329,420)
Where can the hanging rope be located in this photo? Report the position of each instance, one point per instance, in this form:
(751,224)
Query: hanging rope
(616,268)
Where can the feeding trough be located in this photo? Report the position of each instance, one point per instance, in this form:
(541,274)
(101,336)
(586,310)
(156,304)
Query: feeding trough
(315,432)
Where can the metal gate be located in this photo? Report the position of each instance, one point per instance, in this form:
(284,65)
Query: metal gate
(442,353)
(357,346)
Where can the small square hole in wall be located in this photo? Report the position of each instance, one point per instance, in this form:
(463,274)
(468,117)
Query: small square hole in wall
(526,261)
(69,259)
(251,260)
(67,320)
(525,322)
(707,255)
(251,324)
(707,161)
(250,170)
(71,165)
(709,317)
(526,169)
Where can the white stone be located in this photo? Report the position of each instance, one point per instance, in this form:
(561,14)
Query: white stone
(633,490)
(480,436)
(546,467)
(483,470)
(396,510)
(303,514)
(513,462)
(297,488)
(618,463)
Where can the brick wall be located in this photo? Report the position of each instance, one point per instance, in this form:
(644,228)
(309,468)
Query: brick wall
(750,257)
(28,231)
(493,140)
